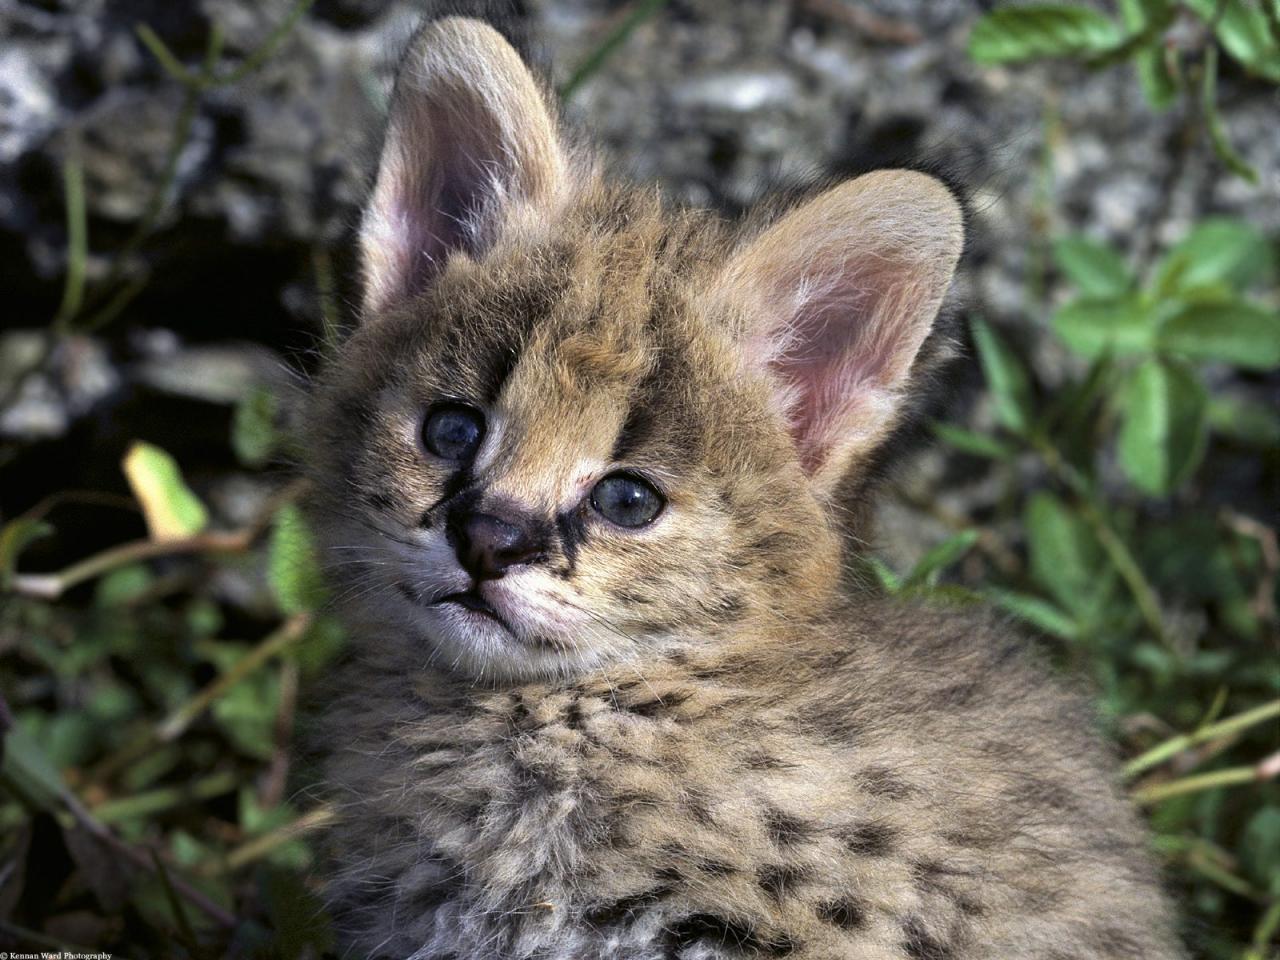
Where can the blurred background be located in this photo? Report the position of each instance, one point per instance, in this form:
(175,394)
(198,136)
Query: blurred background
(179,183)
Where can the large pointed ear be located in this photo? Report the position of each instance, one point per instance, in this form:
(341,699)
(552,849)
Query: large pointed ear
(470,137)
(839,295)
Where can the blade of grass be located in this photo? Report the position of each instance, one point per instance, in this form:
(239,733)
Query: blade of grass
(1265,931)
(1229,777)
(264,51)
(77,237)
(1222,728)
(180,719)
(165,798)
(641,12)
(1144,594)
(259,847)
(186,935)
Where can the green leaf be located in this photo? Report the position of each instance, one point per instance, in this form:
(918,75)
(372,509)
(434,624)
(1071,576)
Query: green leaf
(292,569)
(1242,30)
(1260,847)
(121,587)
(1095,268)
(1230,158)
(940,557)
(253,427)
(247,713)
(1006,378)
(1120,326)
(971,442)
(1218,250)
(1162,435)
(1159,85)
(172,511)
(29,771)
(1066,559)
(1245,420)
(1234,332)
(1041,614)
(1015,34)
(16,536)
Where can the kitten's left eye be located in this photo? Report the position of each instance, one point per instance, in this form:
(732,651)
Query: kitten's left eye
(627,500)
(453,431)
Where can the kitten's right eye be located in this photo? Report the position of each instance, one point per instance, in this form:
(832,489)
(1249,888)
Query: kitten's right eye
(453,431)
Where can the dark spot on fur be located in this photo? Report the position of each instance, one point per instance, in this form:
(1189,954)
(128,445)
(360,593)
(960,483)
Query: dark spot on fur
(975,836)
(786,830)
(624,910)
(776,880)
(631,598)
(920,945)
(880,782)
(573,715)
(706,927)
(698,803)
(1116,943)
(762,760)
(930,877)
(847,914)
(1036,792)
(658,705)
(870,839)
(717,868)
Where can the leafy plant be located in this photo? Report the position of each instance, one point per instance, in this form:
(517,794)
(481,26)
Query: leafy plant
(1173,611)
(1162,38)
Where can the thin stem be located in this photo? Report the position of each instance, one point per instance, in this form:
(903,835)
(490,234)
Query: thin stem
(1222,728)
(1117,551)
(165,798)
(265,49)
(164,56)
(50,586)
(180,719)
(77,238)
(1229,777)
(254,850)
(1267,926)
(641,12)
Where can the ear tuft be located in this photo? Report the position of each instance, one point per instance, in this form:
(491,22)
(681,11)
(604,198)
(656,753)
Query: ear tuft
(840,295)
(470,137)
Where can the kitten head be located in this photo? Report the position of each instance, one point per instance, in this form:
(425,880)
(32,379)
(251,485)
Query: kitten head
(574,427)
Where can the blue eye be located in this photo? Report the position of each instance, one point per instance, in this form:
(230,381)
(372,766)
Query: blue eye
(453,431)
(627,500)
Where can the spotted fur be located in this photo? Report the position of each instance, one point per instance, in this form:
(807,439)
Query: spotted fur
(693,740)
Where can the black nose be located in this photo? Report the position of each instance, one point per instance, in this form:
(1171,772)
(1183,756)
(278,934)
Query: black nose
(487,545)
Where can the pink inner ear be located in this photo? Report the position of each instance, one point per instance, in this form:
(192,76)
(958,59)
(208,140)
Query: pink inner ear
(843,351)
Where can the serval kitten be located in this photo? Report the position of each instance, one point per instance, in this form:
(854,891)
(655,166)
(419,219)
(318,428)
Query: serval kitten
(579,473)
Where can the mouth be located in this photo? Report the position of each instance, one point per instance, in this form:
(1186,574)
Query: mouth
(473,603)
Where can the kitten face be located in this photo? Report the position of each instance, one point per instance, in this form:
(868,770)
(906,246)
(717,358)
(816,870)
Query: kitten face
(574,427)
(563,363)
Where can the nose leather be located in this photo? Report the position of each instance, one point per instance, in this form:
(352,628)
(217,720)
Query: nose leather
(487,546)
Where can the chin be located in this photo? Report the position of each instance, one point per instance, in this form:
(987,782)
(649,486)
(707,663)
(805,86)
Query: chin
(483,649)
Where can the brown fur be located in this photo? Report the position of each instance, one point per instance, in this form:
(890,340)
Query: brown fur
(693,741)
